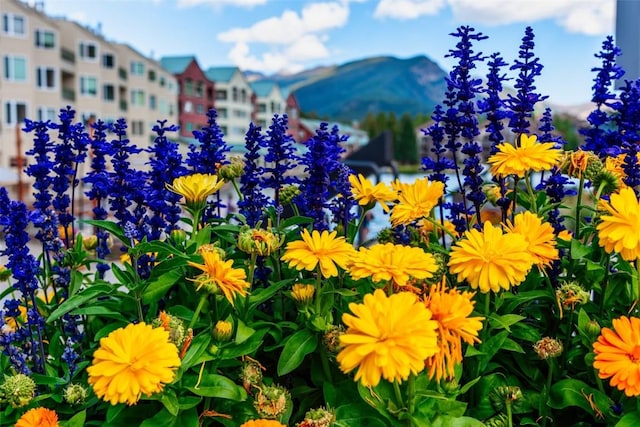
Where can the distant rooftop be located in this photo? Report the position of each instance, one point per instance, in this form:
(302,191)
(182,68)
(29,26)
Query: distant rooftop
(221,74)
(263,88)
(176,64)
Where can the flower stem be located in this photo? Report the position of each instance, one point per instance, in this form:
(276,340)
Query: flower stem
(578,207)
(399,399)
(318,290)
(527,182)
(196,314)
(509,413)
(235,186)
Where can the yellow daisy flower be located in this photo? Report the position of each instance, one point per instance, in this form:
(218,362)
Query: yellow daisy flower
(617,353)
(415,200)
(392,263)
(219,275)
(525,156)
(451,310)
(539,235)
(315,248)
(619,224)
(491,260)
(131,361)
(38,417)
(367,194)
(388,337)
(196,188)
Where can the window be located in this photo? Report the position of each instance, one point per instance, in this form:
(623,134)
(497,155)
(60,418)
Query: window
(15,68)
(108,60)
(46,78)
(14,112)
(262,107)
(223,129)
(188,87)
(47,113)
(221,95)
(152,75)
(163,81)
(199,89)
(189,127)
(235,94)
(108,92)
(137,127)
(243,95)
(137,97)
(45,39)
(88,51)
(152,102)
(162,106)
(14,25)
(222,113)
(88,86)
(188,107)
(137,68)
(199,108)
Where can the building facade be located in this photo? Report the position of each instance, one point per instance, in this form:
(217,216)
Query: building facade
(234,101)
(50,63)
(196,93)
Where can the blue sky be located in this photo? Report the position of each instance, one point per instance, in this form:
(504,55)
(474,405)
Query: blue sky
(290,35)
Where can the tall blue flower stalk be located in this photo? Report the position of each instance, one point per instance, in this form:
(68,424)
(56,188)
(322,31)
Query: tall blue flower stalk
(280,157)
(321,164)
(98,179)
(70,150)
(628,129)
(341,205)
(522,105)
(207,156)
(597,137)
(166,165)
(252,201)
(461,124)
(124,181)
(15,220)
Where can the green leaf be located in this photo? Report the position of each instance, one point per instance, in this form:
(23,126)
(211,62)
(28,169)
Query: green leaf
(100,310)
(243,332)
(631,419)
(579,250)
(111,227)
(449,421)
(161,419)
(259,296)
(160,285)
(569,392)
(170,401)
(213,385)
(78,300)
(77,420)
(357,415)
(504,321)
(188,402)
(196,349)
(295,349)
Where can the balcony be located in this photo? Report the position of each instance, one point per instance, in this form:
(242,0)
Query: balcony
(67,55)
(68,94)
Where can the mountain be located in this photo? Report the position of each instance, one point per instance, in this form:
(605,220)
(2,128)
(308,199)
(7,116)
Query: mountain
(379,84)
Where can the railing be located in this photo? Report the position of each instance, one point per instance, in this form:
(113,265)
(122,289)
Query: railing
(67,55)
(68,94)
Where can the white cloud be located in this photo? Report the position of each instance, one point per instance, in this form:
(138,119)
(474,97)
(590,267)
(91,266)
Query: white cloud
(291,38)
(407,9)
(593,17)
(219,3)
(580,16)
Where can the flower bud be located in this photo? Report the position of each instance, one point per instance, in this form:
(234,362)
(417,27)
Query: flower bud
(319,417)
(258,241)
(592,328)
(212,247)
(17,390)
(332,338)
(222,331)
(302,294)
(504,394)
(272,401)
(570,293)
(548,348)
(178,236)
(90,243)
(232,170)
(75,394)
(5,273)
(173,325)
(287,193)
(251,374)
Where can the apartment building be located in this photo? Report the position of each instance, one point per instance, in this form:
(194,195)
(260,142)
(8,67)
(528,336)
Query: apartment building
(196,94)
(269,101)
(234,101)
(49,63)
